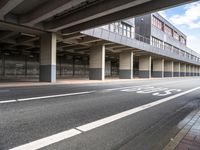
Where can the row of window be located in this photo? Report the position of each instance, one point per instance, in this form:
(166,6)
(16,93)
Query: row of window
(125,29)
(121,28)
(166,46)
(160,25)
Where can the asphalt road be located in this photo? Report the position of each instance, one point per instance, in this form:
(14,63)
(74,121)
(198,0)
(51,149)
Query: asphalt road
(140,114)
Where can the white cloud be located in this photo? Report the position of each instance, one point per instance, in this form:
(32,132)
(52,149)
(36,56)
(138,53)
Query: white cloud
(193,42)
(163,14)
(191,17)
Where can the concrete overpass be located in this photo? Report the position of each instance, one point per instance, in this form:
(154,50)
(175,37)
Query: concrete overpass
(70,15)
(47,27)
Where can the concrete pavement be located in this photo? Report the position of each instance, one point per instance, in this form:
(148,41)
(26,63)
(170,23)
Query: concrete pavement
(144,114)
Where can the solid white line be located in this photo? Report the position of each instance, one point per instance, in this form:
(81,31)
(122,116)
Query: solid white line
(84,128)
(54,96)
(48,140)
(8,101)
(118,116)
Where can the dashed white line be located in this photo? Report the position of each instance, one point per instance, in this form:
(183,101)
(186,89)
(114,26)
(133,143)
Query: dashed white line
(54,96)
(87,127)
(45,97)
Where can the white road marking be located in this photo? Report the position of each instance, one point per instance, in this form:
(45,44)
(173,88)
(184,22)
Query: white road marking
(155,91)
(71,94)
(8,101)
(127,87)
(54,96)
(87,127)
(48,140)
(45,97)
(110,119)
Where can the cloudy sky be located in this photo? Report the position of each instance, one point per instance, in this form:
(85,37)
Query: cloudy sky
(187,19)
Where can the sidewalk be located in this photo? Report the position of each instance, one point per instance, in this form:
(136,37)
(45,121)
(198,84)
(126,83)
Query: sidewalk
(189,137)
(35,82)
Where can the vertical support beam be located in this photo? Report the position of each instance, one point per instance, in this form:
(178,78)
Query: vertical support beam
(4,65)
(145,66)
(188,70)
(97,63)
(192,71)
(73,65)
(26,65)
(177,69)
(126,65)
(158,68)
(183,70)
(169,69)
(198,71)
(48,58)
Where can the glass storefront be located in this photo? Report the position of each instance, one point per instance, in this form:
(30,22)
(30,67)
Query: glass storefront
(16,66)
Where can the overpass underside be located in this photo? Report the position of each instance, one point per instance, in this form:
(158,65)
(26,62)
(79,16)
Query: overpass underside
(43,40)
(84,55)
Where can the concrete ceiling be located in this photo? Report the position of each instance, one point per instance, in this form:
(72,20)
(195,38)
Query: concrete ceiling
(68,16)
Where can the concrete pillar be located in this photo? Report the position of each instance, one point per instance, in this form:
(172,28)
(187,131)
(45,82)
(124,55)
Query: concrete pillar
(145,66)
(183,70)
(198,71)
(126,65)
(192,71)
(188,70)
(158,68)
(169,69)
(97,63)
(48,58)
(177,69)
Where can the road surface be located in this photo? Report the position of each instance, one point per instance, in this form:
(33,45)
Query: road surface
(135,114)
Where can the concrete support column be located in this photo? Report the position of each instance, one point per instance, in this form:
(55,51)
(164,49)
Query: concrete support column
(169,69)
(183,70)
(177,69)
(198,71)
(48,58)
(192,71)
(158,68)
(145,66)
(97,63)
(126,65)
(188,70)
